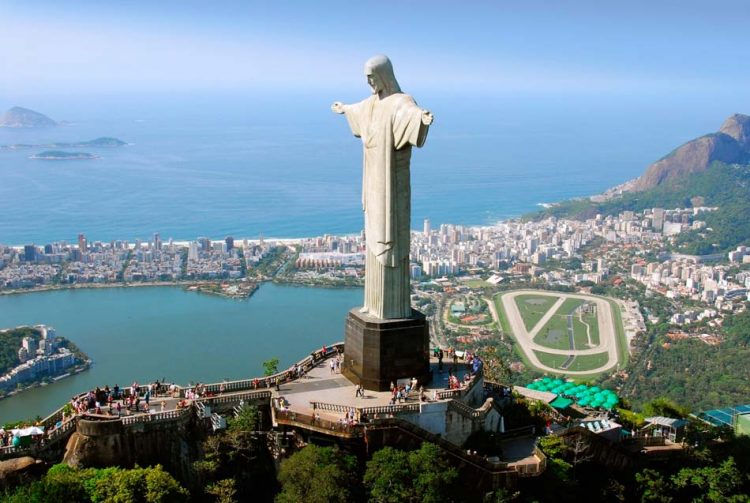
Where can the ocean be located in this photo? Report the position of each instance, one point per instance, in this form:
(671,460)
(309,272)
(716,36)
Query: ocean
(220,165)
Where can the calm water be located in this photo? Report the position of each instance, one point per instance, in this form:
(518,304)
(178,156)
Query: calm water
(219,166)
(164,332)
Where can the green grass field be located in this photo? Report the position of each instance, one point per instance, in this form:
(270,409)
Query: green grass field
(554,334)
(581,363)
(569,306)
(593,323)
(533,307)
(476,283)
(503,318)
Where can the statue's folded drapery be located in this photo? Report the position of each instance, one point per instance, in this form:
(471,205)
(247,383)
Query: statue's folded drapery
(389,127)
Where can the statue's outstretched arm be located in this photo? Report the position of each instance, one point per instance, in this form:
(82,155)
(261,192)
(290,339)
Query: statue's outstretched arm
(338,107)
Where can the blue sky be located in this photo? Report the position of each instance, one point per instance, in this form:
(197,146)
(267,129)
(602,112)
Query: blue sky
(605,47)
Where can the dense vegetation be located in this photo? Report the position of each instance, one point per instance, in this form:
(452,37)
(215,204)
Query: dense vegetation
(722,185)
(236,464)
(693,373)
(63,484)
(325,474)
(10,343)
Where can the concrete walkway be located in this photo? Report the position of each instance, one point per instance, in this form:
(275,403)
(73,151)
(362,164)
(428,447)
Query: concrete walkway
(320,385)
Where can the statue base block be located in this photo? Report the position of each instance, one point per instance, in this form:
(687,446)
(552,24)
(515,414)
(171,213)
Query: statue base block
(379,352)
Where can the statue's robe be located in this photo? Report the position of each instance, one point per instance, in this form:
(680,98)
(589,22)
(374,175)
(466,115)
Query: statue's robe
(388,127)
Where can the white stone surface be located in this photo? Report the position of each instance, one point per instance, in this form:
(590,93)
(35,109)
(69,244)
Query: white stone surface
(389,123)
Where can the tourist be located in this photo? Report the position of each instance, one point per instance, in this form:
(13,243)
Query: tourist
(162,405)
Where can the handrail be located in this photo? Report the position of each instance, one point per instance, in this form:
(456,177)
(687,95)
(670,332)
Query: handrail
(306,364)
(317,423)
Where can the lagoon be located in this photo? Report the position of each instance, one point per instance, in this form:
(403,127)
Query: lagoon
(150,333)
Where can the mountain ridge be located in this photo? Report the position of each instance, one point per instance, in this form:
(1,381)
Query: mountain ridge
(731,144)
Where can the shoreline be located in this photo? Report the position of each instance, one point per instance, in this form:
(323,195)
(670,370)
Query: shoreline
(156,284)
(38,384)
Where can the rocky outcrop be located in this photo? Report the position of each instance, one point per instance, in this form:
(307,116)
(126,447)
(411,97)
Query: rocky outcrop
(738,127)
(731,144)
(100,443)
(19,117)
(18,470)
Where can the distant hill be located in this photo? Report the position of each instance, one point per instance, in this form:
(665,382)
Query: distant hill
(18,117)
(731,144)
(713,170)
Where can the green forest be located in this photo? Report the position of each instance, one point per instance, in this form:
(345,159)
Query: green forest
(10,342)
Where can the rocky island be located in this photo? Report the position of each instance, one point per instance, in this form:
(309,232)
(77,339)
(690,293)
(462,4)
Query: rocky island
(19,117)
(59,155)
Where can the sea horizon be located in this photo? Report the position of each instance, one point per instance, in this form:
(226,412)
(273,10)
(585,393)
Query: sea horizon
(236,166)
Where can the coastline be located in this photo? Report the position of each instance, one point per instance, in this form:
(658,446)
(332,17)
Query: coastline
(156,284)
(38,384)
(48,288)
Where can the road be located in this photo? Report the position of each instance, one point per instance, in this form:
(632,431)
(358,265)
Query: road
(525,338)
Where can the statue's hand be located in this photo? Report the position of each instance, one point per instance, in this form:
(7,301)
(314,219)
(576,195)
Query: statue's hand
(338,107)
(427,117)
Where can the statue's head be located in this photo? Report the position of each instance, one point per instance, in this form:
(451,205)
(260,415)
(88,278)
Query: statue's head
(379,73)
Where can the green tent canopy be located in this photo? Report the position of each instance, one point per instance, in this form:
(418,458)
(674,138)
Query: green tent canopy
(561,403)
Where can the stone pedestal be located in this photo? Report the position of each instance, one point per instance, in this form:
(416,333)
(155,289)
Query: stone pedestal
(378,352)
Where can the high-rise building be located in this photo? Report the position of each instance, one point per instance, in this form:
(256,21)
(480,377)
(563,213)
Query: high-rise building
(30,345)
(193,250)
(82,243)
(29,253)
(658,219)
(205,244)
(157,241)
(427,227)
(229,240)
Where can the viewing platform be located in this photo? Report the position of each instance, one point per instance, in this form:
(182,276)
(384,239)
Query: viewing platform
(313,400)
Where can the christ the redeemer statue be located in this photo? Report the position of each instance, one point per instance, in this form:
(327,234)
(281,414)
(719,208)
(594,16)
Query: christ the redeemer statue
(389,123)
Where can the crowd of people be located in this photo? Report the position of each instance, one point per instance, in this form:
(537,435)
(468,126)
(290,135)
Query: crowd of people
(117,401)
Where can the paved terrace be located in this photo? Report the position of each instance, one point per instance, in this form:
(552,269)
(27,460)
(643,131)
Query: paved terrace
(319,389)
(330,395)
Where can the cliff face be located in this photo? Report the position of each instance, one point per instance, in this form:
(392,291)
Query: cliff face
(731,144)
(18,117)
(738,127)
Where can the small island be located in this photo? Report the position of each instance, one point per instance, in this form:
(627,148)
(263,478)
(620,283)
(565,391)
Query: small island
(19,117)
(232,290)
(101,142)
(35,356)
(59,155)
